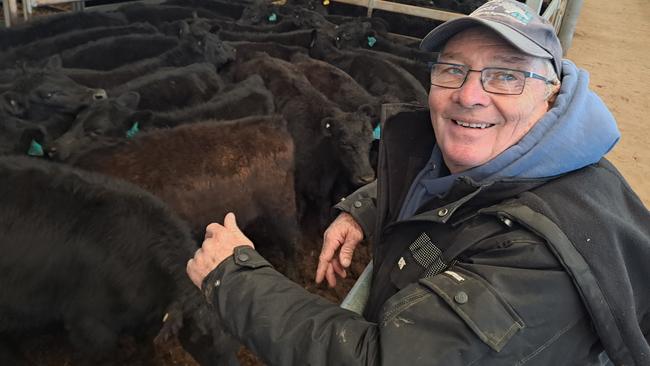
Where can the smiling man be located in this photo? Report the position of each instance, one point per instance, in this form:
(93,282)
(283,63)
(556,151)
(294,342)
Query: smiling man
(501,236)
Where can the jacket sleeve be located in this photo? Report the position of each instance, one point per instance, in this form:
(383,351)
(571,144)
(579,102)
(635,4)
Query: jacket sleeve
(361,204)
(283,323)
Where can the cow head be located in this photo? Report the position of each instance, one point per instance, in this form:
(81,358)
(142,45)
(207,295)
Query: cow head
(350,135)
(37,94)
(17,136)
(354,34)
(104,123)
(201,42)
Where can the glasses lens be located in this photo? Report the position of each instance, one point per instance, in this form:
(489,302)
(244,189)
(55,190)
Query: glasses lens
(448,75)
(503,81)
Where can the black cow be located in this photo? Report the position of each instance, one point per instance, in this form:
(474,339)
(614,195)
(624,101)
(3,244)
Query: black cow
(112,52)
(93,254)
(109,122)
(159,14)
(18,135)
(247,50)
(329,142)
(196,45)
(174,88)
(229,9)
(56,24)
(46,95)
(212,167)
(299,38)
(47,47)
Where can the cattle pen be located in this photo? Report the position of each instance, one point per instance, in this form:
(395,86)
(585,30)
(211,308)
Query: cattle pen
(563,14)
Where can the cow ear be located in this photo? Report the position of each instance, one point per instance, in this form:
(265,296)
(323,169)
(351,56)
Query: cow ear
(11,102)
(54,63)
(129,100)
(326,126)
(184,29)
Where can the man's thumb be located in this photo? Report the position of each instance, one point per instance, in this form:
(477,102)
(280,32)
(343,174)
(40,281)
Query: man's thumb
(230,222)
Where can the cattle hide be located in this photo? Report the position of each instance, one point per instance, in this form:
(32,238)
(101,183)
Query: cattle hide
(329,142)
(42,28)
(47,47)
(113,52)
(207,169)
(196,46)
(173,88)
(97,255)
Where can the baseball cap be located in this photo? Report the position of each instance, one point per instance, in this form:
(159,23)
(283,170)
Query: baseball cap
(518,24)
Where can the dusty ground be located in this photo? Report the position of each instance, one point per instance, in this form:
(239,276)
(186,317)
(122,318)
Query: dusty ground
(612,42)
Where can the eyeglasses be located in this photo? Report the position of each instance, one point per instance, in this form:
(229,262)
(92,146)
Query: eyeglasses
(496,80)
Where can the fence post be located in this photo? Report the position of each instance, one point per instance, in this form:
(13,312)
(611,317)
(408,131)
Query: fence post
(569,21)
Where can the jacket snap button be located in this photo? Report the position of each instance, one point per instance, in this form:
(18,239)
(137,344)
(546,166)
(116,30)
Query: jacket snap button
(442,212)
(243,257)
(357,204)
(461,297)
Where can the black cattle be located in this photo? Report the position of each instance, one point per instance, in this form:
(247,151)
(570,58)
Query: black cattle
(158,14)
(93,254)
(329,142)
(378,76)
(247,50)
(174,88)
(196,46)
(42,94)
(212,167)
(56,24)
(109,122)
(113,52)
(105,123)
(229,9)
(47,47)
(299,38)
(337,85)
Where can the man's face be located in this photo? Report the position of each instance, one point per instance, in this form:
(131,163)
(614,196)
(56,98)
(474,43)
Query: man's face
(498,121)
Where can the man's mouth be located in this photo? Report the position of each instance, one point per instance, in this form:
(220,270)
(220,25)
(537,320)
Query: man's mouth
(472,125)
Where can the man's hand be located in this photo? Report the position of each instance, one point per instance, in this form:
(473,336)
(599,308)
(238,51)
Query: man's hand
(219,244)
(342,236)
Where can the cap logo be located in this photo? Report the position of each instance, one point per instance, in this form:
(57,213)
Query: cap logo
(501,9)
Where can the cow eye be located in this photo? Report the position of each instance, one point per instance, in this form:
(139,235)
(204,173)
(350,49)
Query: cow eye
(12,102)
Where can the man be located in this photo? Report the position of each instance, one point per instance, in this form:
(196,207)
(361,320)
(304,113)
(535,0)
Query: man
(500,234)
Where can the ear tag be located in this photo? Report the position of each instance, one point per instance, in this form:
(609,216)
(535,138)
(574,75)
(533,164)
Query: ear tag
(376,133)
(327,125)
(273,17)
(326,2)
(371,41)
(35,149)
(133,130)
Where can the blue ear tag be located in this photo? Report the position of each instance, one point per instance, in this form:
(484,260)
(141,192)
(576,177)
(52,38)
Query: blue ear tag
(273,17)
(35,149)
(371,41)
(376,133)
(133,130)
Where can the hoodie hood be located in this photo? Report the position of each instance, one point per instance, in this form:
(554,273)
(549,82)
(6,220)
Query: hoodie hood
(576,132)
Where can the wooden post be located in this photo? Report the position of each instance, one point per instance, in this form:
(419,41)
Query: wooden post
(11,12)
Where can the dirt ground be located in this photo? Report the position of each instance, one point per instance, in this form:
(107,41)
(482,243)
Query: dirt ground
(612,42)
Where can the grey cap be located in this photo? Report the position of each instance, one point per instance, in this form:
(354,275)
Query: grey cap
(514,21)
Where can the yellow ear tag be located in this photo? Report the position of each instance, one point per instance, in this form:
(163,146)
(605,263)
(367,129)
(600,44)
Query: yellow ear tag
(326,2)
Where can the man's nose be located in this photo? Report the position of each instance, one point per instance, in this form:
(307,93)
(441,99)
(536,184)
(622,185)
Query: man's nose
(471,93)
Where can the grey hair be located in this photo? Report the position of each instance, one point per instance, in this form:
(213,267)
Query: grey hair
(551,89)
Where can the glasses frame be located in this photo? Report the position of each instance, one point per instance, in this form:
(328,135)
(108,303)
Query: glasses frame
(527,74)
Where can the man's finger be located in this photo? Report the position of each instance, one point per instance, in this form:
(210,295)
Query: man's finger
(338,269)
(230,222)
(331,278)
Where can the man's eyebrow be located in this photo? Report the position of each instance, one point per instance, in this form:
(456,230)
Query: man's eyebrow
(505,58)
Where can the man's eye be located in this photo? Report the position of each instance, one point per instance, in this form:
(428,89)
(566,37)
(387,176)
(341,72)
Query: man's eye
(452,70)
(504,76)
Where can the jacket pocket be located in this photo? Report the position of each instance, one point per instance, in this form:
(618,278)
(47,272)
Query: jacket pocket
(475,301)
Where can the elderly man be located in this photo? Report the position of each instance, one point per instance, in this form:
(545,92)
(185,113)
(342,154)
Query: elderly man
(500,234)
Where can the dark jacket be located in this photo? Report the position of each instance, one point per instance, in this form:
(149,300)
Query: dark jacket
(469,280)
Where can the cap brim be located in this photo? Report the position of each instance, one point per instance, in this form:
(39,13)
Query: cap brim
(434,41)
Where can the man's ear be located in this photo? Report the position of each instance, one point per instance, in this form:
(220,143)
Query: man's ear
(551,93)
